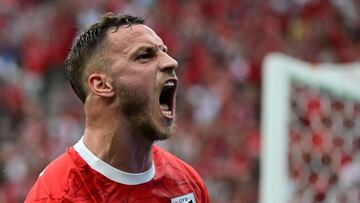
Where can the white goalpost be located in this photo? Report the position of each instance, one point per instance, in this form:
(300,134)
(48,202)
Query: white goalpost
(310,125)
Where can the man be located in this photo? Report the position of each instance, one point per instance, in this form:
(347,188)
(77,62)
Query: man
(121,71)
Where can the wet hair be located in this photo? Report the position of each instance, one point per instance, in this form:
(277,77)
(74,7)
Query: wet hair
(87,43)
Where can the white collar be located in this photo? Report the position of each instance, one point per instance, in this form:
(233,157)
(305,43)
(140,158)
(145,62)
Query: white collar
(111,172)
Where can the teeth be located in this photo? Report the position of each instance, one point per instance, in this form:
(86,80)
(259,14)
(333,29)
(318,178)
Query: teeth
(169,84)
(167,113)
(164,107)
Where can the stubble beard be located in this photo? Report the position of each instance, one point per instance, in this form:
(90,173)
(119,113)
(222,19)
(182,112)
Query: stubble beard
(136,107)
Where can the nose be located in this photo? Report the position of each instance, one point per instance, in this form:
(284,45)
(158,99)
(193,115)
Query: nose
(168,64)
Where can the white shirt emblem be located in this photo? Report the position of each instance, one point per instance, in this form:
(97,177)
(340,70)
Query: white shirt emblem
(188,198)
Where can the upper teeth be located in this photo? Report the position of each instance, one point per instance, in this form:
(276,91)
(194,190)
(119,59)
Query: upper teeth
(169,84)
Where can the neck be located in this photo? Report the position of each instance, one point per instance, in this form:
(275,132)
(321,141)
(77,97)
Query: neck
(114,142)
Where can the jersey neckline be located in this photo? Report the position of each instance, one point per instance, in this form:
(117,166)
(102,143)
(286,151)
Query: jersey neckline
(110,172)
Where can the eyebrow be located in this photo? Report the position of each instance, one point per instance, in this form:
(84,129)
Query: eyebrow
(150,47)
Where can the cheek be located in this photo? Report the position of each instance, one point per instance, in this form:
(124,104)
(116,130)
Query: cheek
(131,101)
(133,82)
(135,91)
(142,80)
(139,76)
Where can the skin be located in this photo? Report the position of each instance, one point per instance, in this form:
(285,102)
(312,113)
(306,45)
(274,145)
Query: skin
(123,116)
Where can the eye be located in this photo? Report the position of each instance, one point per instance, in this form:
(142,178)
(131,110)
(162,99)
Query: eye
(145,56)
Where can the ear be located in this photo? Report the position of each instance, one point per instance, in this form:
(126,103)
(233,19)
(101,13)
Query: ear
(100,85)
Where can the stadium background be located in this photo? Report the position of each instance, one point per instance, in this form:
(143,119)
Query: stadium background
(219,45)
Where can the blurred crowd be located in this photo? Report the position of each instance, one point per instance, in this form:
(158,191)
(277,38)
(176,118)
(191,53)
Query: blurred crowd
(220,46)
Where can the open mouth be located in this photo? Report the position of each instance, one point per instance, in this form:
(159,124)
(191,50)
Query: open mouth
(167,98)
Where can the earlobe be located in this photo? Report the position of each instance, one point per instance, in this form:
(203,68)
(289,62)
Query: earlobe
(99,85)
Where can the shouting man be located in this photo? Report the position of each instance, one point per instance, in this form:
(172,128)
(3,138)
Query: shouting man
(121,71)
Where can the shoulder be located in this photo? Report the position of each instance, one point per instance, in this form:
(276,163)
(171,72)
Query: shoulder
(171,166)
(60,168)
(53,182)
(175,162)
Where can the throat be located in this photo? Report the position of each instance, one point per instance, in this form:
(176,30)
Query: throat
(133,157)
(125,154)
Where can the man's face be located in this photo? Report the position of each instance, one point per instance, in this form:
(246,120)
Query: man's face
(144,79)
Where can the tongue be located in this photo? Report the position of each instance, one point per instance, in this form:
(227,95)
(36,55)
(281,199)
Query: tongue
(164,107)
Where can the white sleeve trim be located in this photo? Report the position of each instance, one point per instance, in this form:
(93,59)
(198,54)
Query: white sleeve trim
(111,172)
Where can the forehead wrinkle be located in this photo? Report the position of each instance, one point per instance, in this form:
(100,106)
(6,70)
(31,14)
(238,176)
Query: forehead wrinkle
(147,44)
(126,39)
(153,34)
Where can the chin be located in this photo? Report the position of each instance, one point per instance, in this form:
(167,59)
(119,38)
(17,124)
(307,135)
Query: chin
(167,133)
(155,131)
(157,134)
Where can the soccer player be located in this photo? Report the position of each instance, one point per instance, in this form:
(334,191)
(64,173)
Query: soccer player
(121,71)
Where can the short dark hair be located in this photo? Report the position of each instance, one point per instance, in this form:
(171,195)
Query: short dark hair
(85,45)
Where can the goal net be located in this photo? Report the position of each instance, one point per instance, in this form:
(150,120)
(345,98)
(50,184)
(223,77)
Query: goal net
(311,132)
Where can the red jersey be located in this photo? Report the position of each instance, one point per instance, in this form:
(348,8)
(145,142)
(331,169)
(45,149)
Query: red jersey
(79,176)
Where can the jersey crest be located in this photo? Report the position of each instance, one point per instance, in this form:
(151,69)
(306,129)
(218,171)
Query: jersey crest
(188,198)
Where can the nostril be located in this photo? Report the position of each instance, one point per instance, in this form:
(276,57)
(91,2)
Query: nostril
(169,70)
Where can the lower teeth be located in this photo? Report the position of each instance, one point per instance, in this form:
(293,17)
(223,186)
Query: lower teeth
(167,113)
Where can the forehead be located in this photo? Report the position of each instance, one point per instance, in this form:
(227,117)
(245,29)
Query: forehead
(127,37)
